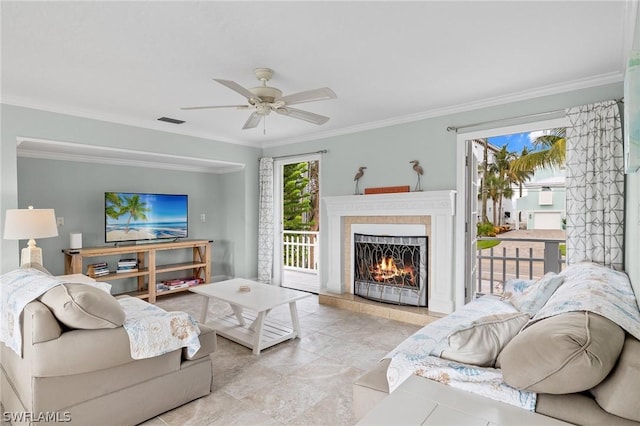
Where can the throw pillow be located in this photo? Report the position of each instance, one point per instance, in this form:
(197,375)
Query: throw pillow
(83,306)
(618,393)
(566,353)
(515,286)
(536,295)
(480,342)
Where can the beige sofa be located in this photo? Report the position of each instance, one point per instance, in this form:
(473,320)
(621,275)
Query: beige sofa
(584,368)
(88,377)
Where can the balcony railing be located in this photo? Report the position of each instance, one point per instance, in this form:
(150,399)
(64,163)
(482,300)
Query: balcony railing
(300,250)
(516,258)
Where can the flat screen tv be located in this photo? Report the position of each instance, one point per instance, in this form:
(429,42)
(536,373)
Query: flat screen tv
(132,216)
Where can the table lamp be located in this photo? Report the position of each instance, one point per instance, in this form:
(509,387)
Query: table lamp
(22,224)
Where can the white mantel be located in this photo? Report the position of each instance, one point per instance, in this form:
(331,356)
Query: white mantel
(440,205)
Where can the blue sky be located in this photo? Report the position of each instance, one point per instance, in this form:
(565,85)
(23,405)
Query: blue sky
(515,142)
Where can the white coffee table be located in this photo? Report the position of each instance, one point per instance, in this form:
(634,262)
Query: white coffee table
(251,329)
(420,401)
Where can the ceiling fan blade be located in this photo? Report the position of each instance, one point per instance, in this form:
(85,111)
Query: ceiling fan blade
(236,88)
(253,121)
(308,96)
(303,115)
(216,106)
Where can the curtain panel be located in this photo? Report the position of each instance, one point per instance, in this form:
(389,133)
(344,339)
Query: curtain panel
(595,185)
(265,222)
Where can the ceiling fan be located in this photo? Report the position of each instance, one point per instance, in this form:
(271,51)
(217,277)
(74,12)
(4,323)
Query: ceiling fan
(264,99)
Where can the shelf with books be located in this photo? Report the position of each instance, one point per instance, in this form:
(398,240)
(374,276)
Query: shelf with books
(126,270)
(126,266)
(115,275)
(178,284)
(171,290)
(143,266)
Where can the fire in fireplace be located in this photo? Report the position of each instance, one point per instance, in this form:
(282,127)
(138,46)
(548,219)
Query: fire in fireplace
(391,269)
(387,270)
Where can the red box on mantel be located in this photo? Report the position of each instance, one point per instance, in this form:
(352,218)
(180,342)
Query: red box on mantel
(386,189)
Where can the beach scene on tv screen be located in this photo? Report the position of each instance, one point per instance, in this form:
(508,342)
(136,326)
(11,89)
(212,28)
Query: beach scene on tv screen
(131,217)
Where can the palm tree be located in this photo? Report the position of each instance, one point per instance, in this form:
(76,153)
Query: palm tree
(519,177)
(550,152)
(500,168)
(493,188)
(114,205)
(485,169)
(135,208)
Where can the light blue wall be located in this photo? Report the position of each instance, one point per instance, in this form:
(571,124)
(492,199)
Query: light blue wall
(211,192)
(386,152)
(236,220)
(78,197)
(8,193)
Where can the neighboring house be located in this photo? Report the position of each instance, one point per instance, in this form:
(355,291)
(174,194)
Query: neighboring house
(543,201)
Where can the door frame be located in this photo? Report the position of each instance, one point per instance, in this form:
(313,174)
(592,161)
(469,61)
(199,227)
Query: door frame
(278,164)
(471,218)
(462,209)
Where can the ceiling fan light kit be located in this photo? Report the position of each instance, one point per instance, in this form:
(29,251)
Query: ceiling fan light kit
(264,99)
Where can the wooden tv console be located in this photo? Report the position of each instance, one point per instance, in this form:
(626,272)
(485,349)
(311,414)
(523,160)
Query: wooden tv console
(147,272)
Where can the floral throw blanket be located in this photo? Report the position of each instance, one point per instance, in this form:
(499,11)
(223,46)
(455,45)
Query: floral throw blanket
(594,288)
(419,354)
(483,381)
(18,288)
(153,331)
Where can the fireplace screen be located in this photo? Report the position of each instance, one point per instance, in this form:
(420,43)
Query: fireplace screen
(391,269)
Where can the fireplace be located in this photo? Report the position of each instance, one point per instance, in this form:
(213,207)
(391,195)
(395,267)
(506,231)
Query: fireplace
(434,209)
(391,269)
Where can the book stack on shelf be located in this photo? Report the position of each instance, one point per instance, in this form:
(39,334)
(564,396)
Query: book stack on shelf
(97,269)
(177,283)
(126,266)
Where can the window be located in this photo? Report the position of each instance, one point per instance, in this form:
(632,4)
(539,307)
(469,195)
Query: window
(545,196)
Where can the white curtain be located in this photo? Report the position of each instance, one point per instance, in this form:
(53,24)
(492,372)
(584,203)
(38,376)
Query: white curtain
(265,222)
(595,185)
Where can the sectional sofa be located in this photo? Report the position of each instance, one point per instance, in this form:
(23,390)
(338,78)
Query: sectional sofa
(565,346)
(77,367)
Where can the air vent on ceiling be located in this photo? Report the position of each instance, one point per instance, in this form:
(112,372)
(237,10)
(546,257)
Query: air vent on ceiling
(171,120)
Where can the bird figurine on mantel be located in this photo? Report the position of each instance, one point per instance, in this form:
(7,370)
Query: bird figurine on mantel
(357,179)
(418,169)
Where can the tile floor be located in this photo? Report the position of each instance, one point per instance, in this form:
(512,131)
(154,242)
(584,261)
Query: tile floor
(305,381)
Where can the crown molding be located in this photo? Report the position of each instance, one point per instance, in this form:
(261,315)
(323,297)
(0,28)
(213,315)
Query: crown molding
(585,83)
(20,101)
(67,151)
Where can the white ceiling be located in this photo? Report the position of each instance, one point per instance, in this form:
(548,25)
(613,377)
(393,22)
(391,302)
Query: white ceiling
(388,62)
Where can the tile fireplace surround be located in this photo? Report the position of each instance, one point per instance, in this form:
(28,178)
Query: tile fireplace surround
(431,211)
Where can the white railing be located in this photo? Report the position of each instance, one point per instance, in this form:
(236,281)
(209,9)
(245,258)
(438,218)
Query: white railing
(525,258)
(300,250)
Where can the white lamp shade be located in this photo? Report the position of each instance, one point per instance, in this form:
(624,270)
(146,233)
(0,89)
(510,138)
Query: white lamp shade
(24,224)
